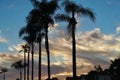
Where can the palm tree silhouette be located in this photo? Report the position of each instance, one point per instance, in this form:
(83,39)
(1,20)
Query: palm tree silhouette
(36,17)
(72,8)
(19,66)
(28,61)
(30,37)
(4,70)
(47,9)
(24,50)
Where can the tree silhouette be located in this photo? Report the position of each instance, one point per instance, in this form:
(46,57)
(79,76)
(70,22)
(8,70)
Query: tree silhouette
(30,39)
(115,68)
(72,8)
(30,34)
(35,15)
(19,66)
(24,50)
(47,9)
(4,70)
(98,68)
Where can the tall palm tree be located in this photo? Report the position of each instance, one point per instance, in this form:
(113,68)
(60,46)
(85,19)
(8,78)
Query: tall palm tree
(28,62)
(4,70)
(19,66)
(39,40)
(47,9)
(29,35)
(36,17)
(72,9)
(24,50)
(30,38)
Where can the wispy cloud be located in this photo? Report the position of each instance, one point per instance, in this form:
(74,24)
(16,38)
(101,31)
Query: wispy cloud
(93,47)
(118,29)
(2,39)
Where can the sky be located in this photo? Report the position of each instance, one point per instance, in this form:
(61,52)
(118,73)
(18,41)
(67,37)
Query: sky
(97,42)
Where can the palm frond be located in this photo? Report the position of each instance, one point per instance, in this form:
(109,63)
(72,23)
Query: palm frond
(22,31)
(86,12)
(4,70)
(20,51)
(62,17)
(53,6)
(27,39)
(69,6)
(69,30)
(17,65)
(35,3)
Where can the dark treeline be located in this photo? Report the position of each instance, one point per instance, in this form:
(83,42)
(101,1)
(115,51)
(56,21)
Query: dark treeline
(111,73)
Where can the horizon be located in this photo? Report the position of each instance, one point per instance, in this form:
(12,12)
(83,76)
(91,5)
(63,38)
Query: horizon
(96,42)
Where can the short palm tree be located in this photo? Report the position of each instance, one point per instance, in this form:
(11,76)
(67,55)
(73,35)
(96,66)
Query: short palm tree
(4,70)
(24,50)
(19,66)
(72,9)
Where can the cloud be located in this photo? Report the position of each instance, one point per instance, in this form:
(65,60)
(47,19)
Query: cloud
(92,47)
(2,39)
(118,29)
(16,48)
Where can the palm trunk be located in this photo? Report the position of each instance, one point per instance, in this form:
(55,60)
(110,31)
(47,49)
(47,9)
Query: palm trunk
(20,74)
(48,53)
(4,76)
(24,66)
(74,54)
(39,65)
(74,47)
(32,52)
(28,63)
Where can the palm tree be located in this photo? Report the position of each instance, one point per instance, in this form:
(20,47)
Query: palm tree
(39,40)
(72,9)
(29,35)
(30,38)
(28,61)
(19,66)
(25,50)
(36,14)
(47,9)
(4,70)
(98,68)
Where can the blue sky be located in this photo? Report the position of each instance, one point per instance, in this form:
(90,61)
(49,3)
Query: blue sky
(102,34)
(13,14)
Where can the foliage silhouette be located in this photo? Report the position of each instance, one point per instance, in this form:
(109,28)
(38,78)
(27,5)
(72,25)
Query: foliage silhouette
(24,50)
(47,9)
(29,35)
(19,66)
(4,70)
(72,8)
